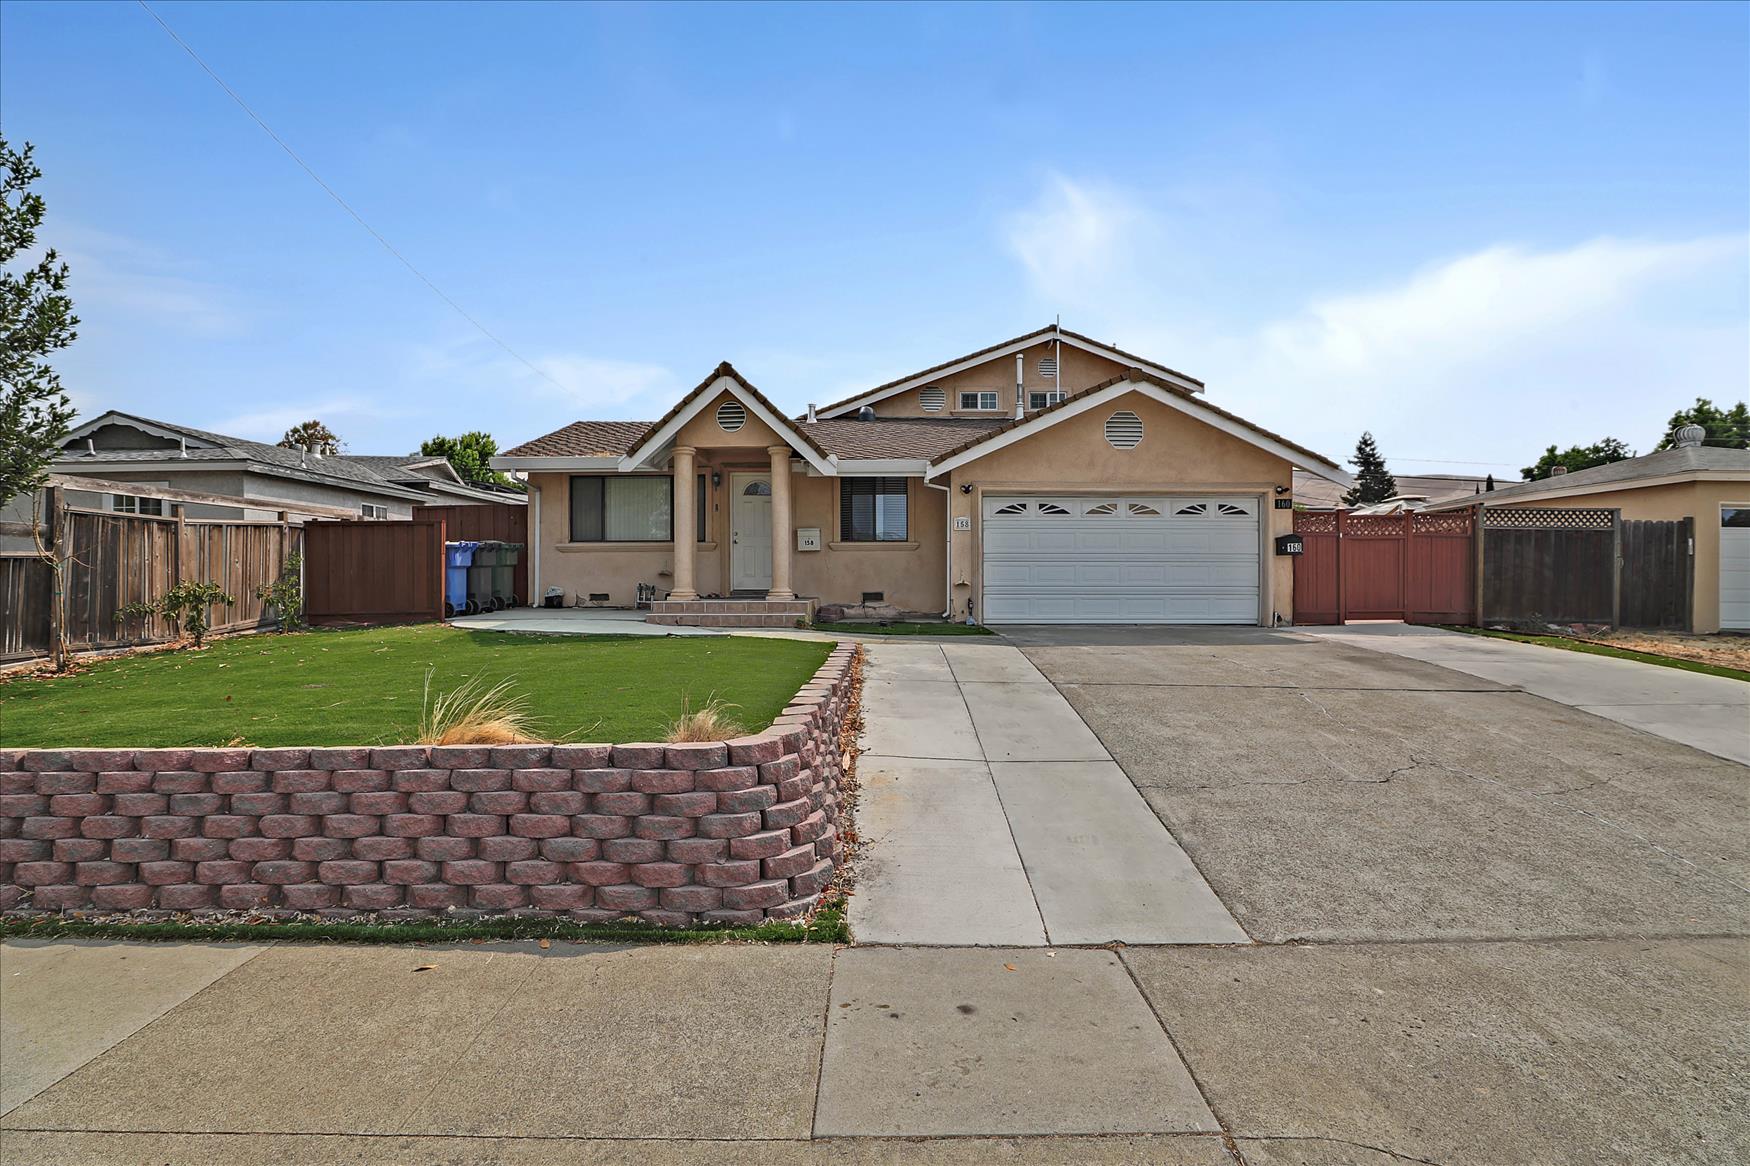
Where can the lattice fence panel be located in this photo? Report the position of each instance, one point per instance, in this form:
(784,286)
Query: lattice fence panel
(1547,518)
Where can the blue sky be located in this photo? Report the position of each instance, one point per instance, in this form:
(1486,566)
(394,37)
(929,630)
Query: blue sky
(1473,229)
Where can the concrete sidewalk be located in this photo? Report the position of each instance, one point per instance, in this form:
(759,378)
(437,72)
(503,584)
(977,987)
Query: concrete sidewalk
(1710,713)
(992,814)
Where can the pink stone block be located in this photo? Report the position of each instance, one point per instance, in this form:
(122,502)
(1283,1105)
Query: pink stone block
(790,863)
(410,872)
(787,814)
(600,874)
(155,760)
(562,897)
(123,781)
(662,781)
(240,781)
(756,896)
(139,805)
(334,759)
(28,849)
(633,850)
(399,757)
(193,849)
(473,872)
(61,897)
(534,872)
(601,825)
(436,896)
(476,781)
(729,825)
(497,897)
(413,825)
(747,801)
(351,825)
(688,805)
(640,756)
(755,750)
(521,756)
(273,825)
(243,896)
(218,873)
(372,897)
(123,897)
(420,781)
(50,784)
(164,874)
(692,899)
(696,850)
(355,872)
(662,827)
(378,802)
(320,849)
(540,780)
(268,760)
(582,756)
(260,849)
(813,880)
(440,801)
(281,872)
(46,827)
(88,849)
(735,777)
(380,849)
(765,844)
(42,874)
(507,801)
(360,781)
(661,874)
(311,896)
(474,825)
(602,781)
(102,874)
(300,781)
(461,756)
(444,849)
(208,760)
(735,873)
(187,897)
(627,898)
(317,802)
(540,825)
(570,849)
(629,803)
(698,755)
(228,826)
(72,806)
(258,804)
(566,802)
(506,849)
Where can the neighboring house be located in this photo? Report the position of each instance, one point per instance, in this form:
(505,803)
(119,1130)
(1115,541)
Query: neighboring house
(1415,491)
(1708,484)
(122,447)
(1047,479)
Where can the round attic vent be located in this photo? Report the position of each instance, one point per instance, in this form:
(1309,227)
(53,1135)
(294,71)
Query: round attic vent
(1124,430)
(731,416)
(1690,435)
(932,398)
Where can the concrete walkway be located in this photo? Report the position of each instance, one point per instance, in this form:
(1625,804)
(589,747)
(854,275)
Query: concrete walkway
(992,814)
(1711,713)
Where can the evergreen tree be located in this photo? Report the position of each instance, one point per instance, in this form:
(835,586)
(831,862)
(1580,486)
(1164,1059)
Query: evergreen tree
(1728,428)
(36,318)
(1373,482)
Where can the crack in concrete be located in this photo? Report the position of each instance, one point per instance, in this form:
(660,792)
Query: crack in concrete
(1392,1154)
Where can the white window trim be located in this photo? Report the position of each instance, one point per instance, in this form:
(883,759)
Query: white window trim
(995,395)
(1051,396)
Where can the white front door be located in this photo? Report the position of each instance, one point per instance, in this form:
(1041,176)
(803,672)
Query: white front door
(750,555)
(1152,559)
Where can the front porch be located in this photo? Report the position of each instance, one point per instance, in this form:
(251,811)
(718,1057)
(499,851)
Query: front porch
(733,613)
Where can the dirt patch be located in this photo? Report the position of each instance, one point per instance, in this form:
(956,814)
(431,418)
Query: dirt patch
(1727,651)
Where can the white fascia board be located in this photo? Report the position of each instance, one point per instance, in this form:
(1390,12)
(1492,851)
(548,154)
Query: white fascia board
(1494,497)
(537,465)
(903,467)
(1172,400)
(640,457)
(1021,345)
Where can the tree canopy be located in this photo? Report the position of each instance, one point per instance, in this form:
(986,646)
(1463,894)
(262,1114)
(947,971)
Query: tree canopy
(1729,428)
(1373,482)
(314,435)
(36,319)
(471,456)
(1577,457)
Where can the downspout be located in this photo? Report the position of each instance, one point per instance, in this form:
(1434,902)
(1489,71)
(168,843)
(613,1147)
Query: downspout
(948,553)
(536,597)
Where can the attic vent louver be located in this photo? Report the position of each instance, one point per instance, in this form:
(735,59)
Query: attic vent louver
(1124,430)
(1048,367)
(731,415)
(932,398)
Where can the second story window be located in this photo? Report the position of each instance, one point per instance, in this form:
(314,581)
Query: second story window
(979,399)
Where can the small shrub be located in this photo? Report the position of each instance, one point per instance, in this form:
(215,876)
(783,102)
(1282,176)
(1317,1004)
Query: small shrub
(284,597)
(472,715)
(709,722)
(184,606)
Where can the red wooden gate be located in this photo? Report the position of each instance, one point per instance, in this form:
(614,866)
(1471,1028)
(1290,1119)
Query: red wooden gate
(1420,568)
(368,572)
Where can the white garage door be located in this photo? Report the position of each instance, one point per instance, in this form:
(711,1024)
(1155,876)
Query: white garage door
(1151,559)
(1735,567)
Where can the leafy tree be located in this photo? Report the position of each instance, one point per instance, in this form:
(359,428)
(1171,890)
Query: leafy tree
(1577,457)
(314,434)
(1373,482)
(36,318)
(1725,427)
(471,455)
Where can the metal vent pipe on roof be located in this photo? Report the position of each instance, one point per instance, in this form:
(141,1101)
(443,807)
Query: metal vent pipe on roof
(1690,436)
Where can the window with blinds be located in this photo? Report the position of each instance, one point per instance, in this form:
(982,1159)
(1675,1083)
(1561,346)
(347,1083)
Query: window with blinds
(872,510)
(622,510)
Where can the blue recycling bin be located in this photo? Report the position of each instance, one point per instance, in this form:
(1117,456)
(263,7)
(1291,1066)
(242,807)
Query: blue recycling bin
(458,556)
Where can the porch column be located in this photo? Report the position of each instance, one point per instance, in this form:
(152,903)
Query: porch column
(781,536)
(686,524)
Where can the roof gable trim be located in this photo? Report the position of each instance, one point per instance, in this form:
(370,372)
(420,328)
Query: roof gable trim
(724,380)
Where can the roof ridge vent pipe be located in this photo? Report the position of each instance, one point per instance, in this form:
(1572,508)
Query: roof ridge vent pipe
(182,447)
(1690,436)
(1020,376)
(812,416)
(304,456)
(90,447)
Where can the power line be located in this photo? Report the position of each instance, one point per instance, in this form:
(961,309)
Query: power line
(346,206)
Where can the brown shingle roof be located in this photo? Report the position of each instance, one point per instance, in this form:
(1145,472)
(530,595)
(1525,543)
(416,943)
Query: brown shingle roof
(1134,375)
(896,437)
(725,370)
(584,439)
(1048,330)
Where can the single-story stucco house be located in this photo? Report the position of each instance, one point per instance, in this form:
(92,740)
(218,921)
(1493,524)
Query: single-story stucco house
(1705,483)
(124,447)
(1050,478)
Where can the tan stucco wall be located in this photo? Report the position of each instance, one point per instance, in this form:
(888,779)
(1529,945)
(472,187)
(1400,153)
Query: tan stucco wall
(1080,370)
(1178,454)
(1699,500)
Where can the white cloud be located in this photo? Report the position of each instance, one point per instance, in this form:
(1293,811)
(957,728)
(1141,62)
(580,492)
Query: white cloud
(1078,238)
(271,424)
(1485,356)
(115,279)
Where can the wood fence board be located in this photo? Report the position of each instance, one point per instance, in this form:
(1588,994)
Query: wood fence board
(498,520)
(369,572)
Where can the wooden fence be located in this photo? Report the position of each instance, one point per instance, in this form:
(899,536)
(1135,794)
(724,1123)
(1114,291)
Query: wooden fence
(1550,565)
(110,560)
(369,572)
(499,520)
(1658,574)
(1415,567)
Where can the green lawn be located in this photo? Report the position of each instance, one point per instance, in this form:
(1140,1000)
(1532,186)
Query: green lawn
(363,687)
(1595,649)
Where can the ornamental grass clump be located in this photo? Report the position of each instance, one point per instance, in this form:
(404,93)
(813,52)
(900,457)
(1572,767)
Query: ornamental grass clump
(709,722)
(473,715)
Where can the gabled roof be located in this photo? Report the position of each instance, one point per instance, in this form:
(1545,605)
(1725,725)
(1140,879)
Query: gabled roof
(1049,332)
(724,378)
(584,439)
(1683,462)
(1138,380)
(921,438)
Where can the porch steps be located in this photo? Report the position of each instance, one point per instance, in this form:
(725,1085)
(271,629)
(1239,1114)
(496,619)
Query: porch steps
(732,613)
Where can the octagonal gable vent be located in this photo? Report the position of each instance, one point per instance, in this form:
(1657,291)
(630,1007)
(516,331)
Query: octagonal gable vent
(1124,430)
(731,416)
(932,398)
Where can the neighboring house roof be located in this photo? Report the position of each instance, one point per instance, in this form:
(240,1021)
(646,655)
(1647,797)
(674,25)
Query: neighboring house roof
(925,438)
(1316,493)
(1049,332)
(1136,380)
(392,476)
(1684,463)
